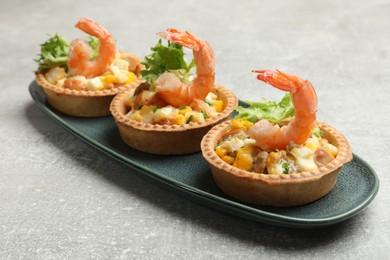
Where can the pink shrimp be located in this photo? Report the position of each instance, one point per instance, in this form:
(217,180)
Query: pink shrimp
(269,136)
(79,62)
(169,86)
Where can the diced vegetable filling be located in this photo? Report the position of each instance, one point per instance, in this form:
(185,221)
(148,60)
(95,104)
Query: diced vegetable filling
(238,149)
(119,73)
(145,107)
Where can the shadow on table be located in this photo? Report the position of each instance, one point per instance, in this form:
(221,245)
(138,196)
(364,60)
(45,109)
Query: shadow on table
(246,231)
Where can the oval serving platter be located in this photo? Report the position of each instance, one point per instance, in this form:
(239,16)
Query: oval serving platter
(190,175)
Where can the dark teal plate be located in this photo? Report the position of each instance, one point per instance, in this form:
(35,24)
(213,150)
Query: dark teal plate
(190,175)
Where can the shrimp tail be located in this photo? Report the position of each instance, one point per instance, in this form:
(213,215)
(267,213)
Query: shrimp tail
(280,80)
(185,39)
(92,28)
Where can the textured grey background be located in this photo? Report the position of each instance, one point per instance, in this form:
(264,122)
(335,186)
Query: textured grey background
(61,199)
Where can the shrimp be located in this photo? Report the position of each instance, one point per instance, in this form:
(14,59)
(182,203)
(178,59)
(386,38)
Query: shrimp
(170,88)
(304,98)
(79,62)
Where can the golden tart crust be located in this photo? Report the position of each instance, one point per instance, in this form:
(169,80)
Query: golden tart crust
(168,139)
(81,103)
(270,189)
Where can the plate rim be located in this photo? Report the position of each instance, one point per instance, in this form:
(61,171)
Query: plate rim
(209,198)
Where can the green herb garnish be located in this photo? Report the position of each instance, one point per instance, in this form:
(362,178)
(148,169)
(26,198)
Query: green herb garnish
(269,110)
(205,116)
(208,102)
(54,53)
(285,166)
(166,58)
(189,119)
(317,132)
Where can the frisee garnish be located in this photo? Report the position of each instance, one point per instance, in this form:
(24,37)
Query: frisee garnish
(269,110)
(54,52)
(168,58)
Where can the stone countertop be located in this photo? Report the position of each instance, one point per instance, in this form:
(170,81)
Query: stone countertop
(62,199)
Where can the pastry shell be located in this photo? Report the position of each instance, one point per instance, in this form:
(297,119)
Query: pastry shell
(168,139)
(81,103)
(275,190)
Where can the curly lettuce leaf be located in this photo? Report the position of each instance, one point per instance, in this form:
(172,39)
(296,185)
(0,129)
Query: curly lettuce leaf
(54,52)
(166,59)
(269,110)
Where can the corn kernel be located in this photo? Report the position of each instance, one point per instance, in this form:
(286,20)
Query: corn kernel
(130,77)
(247,124)
(185,110)
(218,105)
(243,160)
(228,159)
(312,144)
(221,151)
(236,123)
(273,158)
(108,79)
(239,123)
(247,149)
(180,119)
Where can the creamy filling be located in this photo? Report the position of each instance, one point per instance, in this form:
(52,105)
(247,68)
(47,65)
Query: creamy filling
(118,73)
(239,150)
(142,109)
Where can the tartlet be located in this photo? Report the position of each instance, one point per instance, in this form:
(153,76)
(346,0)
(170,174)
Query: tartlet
(168,139)
(271,189)
(81,77)
(172,109)
(81,103)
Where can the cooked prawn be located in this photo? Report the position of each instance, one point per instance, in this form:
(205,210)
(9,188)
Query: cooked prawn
(171,89)
(269,136)
(79,57)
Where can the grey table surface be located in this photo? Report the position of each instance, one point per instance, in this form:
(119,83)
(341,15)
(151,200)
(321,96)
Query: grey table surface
(62,199)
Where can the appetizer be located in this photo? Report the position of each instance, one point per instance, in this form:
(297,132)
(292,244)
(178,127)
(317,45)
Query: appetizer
(81,78)
(171,110)
(277,154)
